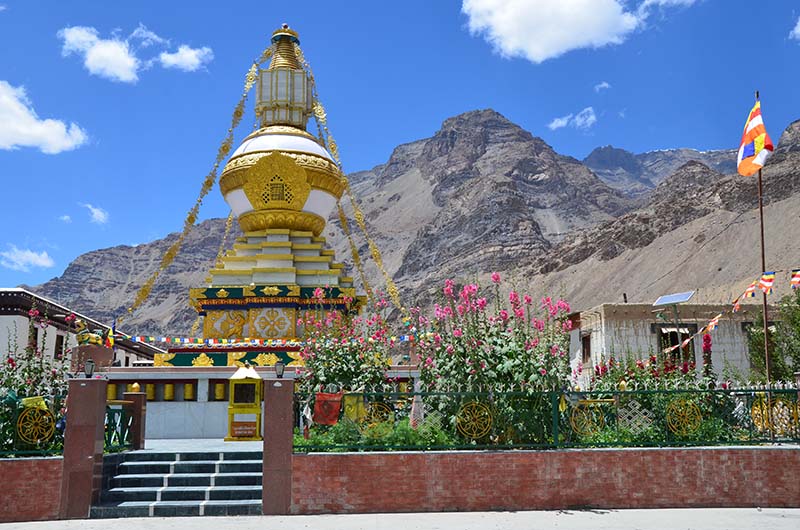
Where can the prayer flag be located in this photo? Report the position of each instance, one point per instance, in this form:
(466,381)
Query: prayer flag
(326,408)
(756,144)
(110,336)
(750,292)
(795,278)
(766,281)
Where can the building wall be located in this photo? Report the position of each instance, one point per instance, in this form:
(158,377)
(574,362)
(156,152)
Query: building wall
(545,480)
(622,331)
(17,326)
(31,489)
(186,419)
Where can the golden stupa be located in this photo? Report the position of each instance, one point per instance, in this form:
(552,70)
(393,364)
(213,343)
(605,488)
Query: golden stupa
(281,184)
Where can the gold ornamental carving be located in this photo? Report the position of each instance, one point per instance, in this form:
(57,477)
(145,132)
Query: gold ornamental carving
(294,290)
(35,425)
(163,359)
(222,293)
(304,221)
(266,359)
(202,360)
(296,359)
(234,358)
(321,173)
(270,322)
(270,290)
(224,324)
(276,182)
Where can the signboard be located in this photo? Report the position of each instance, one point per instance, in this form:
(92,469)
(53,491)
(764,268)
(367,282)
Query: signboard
(244,429)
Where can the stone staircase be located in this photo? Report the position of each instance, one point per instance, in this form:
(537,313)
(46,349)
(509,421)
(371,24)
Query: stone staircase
(160,484)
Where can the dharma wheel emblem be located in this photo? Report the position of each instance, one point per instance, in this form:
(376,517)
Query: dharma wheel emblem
(35,425)
(683,417)
(474,420)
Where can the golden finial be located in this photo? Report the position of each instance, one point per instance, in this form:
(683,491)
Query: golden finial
(285,56)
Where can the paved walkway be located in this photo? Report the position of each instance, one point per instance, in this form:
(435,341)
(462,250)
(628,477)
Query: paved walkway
(716,519)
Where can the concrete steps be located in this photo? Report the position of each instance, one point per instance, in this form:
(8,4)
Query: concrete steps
(161,484)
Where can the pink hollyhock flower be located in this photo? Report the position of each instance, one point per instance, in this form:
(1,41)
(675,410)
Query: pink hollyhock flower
(468,361)
(483,365)
(562,305)
(496,277)
(542,371)
(457,333)
(527,299)
(567,325)
(428,362)
(473,371)
(513,297)
(448,291)
(319,293)
(504,315)
(450,348)
(461,309)
(554,349)
(531,344)
(480,303)
(538,324)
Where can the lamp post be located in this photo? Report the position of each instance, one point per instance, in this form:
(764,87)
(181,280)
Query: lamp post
(279,368)
(88,368)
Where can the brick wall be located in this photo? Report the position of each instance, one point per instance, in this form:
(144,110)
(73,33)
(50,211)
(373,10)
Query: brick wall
(30,489)
(545,480)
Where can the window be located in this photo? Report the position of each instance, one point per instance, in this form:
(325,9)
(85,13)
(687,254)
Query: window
(58,352)
(668,336)
(586,350)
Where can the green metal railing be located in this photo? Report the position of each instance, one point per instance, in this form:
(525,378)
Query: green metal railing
(529,420)
(117,429)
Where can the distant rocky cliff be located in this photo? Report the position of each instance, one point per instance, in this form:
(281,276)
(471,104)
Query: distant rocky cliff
(483,194)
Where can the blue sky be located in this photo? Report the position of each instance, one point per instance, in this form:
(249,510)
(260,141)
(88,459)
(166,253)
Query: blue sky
(111,113)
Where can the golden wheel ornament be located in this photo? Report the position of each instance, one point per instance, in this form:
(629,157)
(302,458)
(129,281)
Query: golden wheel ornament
(587,420)
(474,420)
(683,417)
(35,425)
(377,412)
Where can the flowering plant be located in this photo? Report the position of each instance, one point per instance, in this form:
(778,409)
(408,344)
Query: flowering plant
(346,351)
(27,372)
(470,345)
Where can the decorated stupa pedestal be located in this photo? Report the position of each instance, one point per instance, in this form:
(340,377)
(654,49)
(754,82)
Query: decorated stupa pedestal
(281,184)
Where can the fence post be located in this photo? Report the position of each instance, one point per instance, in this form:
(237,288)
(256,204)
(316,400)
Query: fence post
(139,414)
(555,416)
(276,496)
(82,470)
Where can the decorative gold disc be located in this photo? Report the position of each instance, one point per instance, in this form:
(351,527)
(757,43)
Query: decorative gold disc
(35,425)
(683,417)
(474,420)
(377,412)
(587,420)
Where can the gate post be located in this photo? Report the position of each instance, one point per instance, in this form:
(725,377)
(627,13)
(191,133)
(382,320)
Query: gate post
(276,496)
(82,472)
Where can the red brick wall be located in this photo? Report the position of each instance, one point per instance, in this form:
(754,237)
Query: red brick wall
(30,489)
(547,480)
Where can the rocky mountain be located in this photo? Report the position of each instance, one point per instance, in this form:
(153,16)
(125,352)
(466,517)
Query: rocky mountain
(481,195)
(636,175)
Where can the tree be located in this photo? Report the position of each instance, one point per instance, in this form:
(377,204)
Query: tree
(784,342)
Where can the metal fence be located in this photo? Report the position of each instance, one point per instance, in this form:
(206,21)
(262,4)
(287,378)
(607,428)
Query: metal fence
(118,429)
(527,420)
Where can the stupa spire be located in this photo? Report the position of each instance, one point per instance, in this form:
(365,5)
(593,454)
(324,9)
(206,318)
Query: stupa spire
(284,89)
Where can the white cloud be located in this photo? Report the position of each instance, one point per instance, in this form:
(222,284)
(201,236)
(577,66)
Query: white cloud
(795,33)
(558,123)
(601,86)
(147,37)
(98,215)
(585,119)
(538,30)
(20,259)
(65,218)
(186,58)
(3,8)
(119,59)
(21,127)
(110,58)
(582,120)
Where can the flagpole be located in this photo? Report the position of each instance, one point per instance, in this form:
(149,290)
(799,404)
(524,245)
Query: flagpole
(764,294)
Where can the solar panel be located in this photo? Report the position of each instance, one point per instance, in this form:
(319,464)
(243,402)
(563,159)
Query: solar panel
(672,299)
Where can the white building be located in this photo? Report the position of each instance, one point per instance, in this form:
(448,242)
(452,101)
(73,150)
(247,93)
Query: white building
(637,330)
(59,336)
